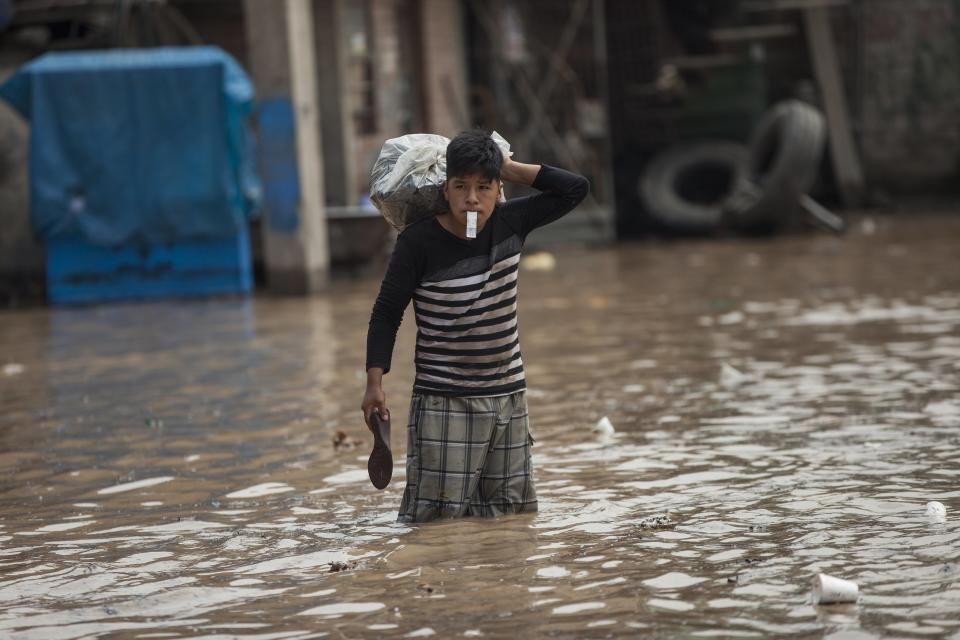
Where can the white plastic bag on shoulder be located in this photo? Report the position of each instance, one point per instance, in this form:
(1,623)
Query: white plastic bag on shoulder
(406,182)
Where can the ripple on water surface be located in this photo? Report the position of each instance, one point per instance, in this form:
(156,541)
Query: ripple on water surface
(171,470)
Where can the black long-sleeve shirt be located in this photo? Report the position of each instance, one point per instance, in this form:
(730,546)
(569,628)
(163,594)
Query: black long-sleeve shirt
(465,293)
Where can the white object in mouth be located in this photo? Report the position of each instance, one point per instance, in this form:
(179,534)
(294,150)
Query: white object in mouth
(471,224)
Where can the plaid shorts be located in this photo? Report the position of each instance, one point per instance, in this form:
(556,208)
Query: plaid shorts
(467,457)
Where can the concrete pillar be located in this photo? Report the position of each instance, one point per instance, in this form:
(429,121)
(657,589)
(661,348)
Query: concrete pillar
(445,104)
(282,58)
(339,135)
(385,28)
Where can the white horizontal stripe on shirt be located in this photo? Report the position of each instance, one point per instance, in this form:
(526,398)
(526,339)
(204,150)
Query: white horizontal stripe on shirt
(455,322)
(500,297)
(470,359)
(485,329)
(472,384)
(468,345)
(510,364)
(480,277)
(473,294)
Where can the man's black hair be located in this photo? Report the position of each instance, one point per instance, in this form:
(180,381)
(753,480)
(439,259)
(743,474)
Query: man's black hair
(474,153)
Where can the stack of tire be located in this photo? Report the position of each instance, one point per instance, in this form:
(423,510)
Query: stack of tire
(703,186)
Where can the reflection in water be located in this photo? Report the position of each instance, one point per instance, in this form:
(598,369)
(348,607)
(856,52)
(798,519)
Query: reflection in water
(781,409)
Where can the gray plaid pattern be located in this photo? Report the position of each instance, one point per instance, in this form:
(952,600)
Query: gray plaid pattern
(467,457)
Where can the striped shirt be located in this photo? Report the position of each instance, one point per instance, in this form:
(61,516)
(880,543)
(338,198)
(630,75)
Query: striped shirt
(464,294)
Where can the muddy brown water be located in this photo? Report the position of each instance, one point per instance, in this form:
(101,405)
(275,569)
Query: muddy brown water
(790,405)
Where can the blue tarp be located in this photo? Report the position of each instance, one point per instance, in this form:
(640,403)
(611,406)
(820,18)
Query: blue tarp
(144,145)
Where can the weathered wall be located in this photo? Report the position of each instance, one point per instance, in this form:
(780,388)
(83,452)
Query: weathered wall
(909,90)
(21,257)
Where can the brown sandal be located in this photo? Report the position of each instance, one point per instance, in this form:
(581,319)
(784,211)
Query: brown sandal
(380,464)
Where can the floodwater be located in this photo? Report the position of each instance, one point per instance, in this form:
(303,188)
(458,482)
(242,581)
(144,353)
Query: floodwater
(789,405)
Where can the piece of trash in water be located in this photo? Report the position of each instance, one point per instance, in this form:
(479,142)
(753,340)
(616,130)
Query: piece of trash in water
(831,590)
(425,587)
(12,369)
(343,442)
(153,423)
(604,427)
(936,511)
(337,566)
(730,377)
(539,261)
(657,522)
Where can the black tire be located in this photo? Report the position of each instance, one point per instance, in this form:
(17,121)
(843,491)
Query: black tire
(785,152)
(686,187)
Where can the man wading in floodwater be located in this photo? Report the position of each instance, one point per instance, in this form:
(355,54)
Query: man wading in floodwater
(468,447)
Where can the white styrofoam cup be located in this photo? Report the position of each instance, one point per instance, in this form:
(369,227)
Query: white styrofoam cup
(936,511)
(830,590)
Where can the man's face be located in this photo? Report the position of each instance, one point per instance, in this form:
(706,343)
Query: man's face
(471,193)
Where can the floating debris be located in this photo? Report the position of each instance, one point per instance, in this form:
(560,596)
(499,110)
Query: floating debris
(604,427)
(657,522)
(539,261)
(936,512)
(343,442)
(13,369)
(831,590)
(730,377)
(337,566)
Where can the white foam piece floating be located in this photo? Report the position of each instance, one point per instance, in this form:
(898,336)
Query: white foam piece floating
(13,369)
(831,590)
(730,377)
(936,511)
(604,427)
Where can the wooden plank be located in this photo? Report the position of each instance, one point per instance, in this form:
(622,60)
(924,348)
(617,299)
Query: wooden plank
(706,61)
(753,32)
(302,57)
(784,5)
(843,152)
